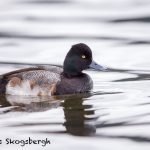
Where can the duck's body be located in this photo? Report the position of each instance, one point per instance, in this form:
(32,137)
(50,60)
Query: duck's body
(43,81)
(52,80)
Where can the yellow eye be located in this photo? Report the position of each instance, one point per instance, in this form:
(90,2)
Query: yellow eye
(83,56)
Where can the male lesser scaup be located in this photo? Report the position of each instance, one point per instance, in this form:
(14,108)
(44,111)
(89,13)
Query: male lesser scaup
(53,80)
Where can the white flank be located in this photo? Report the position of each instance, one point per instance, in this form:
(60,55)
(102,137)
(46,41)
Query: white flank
(25,89)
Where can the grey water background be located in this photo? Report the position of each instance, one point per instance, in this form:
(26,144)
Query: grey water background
(116,115)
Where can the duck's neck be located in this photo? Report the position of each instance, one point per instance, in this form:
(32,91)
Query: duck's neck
(71,74)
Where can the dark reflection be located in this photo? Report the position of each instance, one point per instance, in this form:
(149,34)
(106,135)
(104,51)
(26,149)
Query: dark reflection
(63,19)
(46,2)
(144,19)
(54,37)
(79,117)
(127,122)
(126,41)
(138,42)
(139,75)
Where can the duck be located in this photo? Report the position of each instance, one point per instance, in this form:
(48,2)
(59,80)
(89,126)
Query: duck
(53,80)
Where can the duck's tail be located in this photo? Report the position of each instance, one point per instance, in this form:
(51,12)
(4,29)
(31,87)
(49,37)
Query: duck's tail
(3,83)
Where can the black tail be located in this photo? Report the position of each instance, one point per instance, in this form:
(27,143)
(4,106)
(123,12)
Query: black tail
(3,83)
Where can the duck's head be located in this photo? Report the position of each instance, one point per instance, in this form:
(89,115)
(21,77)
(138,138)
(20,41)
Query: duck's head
(78,59)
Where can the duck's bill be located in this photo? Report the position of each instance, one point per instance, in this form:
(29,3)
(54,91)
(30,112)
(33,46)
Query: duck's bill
(96,66)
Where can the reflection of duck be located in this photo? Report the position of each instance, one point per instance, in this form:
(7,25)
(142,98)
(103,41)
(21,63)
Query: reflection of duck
(28,103)
(4,102)
(53,80)
(79,117)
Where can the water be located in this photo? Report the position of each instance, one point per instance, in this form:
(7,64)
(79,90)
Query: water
(117,113)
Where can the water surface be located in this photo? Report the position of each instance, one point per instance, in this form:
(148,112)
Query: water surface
(116,114)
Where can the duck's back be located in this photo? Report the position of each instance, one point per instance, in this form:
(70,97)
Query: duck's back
(31,81)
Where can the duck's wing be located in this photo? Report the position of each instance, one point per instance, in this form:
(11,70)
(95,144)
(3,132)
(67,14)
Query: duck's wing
(54,69)
(36,76)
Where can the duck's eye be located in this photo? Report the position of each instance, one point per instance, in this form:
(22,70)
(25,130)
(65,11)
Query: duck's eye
(83,56)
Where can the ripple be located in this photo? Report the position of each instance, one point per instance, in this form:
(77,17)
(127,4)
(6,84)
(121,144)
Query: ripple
(144,19)
(46,2)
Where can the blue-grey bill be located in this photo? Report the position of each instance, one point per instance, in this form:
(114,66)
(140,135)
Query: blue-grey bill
(96,66)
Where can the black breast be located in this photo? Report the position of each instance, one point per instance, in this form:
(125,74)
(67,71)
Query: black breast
(72,85)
